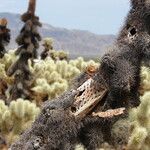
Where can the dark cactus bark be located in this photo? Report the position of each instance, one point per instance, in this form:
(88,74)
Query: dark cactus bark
(4,36)
(32,7)
(120,71)
(29,37)
(28,41)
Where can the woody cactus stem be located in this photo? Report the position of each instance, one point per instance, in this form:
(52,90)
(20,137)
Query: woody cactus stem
(29,37)
(4,36)
(32,7)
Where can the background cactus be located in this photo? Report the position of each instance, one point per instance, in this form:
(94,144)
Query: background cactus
(145,84)
(50,52)
(51,77)
(140,117)
(4,36)
(16,118)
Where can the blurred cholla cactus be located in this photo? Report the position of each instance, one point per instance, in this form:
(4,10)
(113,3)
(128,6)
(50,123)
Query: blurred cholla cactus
(59,55)
(48,46)
(66,70)
(4,36)
(8,59)
(53,77)
(16,118)
(5,63)
(81,64)
(29,37)
(140,138)
(145,84)
(48,43)
(50,90)
(62,55)
(22,78)
(49,52)
(3,75)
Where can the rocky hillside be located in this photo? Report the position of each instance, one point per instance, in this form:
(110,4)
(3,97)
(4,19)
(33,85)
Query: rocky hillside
(77,42)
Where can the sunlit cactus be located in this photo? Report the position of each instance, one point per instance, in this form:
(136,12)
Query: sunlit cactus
(48,46)
(140,138)
(16,118)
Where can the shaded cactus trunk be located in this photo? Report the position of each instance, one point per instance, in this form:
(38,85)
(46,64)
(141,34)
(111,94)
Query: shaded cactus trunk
(32,7)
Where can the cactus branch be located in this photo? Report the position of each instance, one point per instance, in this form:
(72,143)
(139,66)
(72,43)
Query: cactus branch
(32,7)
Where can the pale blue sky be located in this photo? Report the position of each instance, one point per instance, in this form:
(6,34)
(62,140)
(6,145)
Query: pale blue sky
(98,16)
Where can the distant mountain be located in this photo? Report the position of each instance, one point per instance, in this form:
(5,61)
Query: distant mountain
(77,42)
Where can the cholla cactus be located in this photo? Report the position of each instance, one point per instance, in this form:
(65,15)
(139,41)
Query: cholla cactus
(48,46)
(58,55)
(29,37)
(53,77)
(8,59)
(48,43)
(4,36)
(62,55)
(140,138)
(5,63)
(16,118)
(81,64)
(28,44)
(145,84)
(22,77)
(50,52)
(140,116)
